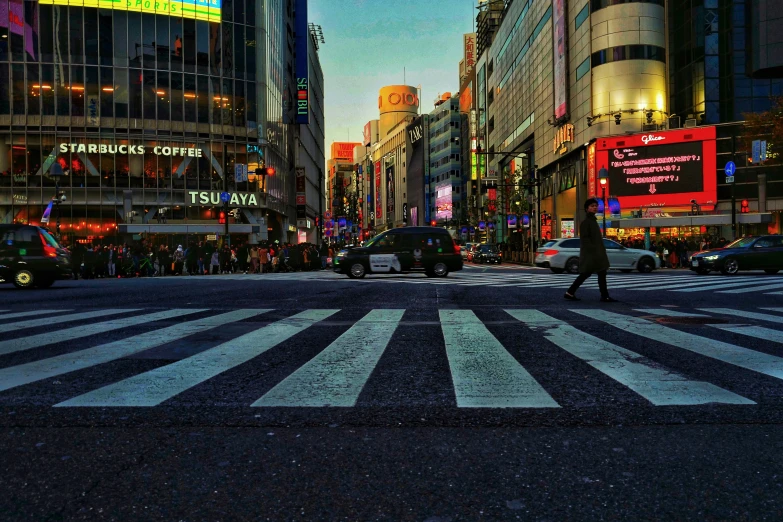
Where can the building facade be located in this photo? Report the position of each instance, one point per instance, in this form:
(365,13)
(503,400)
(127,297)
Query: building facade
(143,118)
(447,185)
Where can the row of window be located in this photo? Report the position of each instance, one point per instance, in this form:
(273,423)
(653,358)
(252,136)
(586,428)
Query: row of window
(525,48)
(628,52)
(91,36)
(600,4)
(96,92)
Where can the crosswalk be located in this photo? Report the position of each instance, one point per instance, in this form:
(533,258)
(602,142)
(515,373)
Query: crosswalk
(679,282)
(487,356)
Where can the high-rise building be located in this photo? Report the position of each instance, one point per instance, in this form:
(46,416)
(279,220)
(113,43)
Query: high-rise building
(143,117)
(447,185)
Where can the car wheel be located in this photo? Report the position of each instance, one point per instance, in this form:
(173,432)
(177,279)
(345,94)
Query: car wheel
(440,270)
(646,265)
(730,266)
(24,278)
(556,270)
(771,271)
(44,283)
(572,265)
(357,271)
(625,270)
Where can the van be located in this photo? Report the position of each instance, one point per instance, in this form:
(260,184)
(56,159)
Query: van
(31,257)
(428,249)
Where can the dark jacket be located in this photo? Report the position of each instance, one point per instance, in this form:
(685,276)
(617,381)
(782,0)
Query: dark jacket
(592,252)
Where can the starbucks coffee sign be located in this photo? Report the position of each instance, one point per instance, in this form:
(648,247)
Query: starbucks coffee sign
(212,197)
(96,148)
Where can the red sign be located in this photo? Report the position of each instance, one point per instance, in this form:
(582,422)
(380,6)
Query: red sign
(659,169)
(300,200)
(378,183)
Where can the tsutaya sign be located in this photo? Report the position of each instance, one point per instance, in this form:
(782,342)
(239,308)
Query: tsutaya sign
(102,148)
(212,197)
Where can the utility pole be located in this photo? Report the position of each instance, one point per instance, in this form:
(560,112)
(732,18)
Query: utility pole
(733,195)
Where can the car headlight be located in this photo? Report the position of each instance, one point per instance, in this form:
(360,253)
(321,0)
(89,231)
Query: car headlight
(711,258)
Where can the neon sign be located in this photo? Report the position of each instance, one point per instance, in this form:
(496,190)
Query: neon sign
(208,10)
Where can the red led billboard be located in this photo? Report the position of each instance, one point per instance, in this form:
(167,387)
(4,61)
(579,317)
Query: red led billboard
(659,169)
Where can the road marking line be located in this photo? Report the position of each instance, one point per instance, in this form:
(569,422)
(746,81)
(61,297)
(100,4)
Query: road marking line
(336,376)
(10,327)
(698,286)
(753,289)
(70,362)
(742,313)
(155,386)
(773,309)
(27,314)
(654,382)
(759,332)
(721,351)
(484,374)
(668,312)
(77,332)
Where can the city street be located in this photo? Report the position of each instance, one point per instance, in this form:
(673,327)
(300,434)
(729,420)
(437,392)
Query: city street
(310,396)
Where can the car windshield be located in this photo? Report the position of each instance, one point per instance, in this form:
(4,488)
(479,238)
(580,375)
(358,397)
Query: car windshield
(375,241)
(741,242)
(488,248)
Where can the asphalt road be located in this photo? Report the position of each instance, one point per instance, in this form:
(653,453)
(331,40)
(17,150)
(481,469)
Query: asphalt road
(309,396)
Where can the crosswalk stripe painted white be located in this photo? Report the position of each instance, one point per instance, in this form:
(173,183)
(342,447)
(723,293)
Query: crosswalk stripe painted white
(337,375)
(721,351)
(32,323)
(758,332)
(29,313)
(697,286)
(773,309)
(70,362)
(659,385)
(155,386)
(668,312)
(484,374)
(752,289)
(77,332)
(746,314)
(715,286)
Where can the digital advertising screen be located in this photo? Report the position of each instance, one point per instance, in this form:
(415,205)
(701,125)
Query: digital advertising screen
(660,169)
(208,10)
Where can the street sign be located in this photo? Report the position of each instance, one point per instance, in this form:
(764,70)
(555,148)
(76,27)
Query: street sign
(763,150)
(328,215)
(225,197)
(729,179)
(730,169)
(756,151)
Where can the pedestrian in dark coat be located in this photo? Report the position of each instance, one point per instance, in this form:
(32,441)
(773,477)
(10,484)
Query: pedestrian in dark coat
(592,254)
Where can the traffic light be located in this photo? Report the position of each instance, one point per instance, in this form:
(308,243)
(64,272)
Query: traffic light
(744,207)
(270,171)
(473,186)
(222,217)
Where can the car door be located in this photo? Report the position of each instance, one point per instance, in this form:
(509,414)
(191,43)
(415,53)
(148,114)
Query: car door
(765,254)
(619,257)
(382,254)
(8,252)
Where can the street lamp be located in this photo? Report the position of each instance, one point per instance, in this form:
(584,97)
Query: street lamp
(57,171)
(603,177)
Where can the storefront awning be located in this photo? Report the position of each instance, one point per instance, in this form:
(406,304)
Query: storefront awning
(189,229)
(688,221)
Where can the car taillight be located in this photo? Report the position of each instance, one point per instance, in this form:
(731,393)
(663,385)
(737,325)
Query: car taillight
(49,251)
(456,247)
(551,252)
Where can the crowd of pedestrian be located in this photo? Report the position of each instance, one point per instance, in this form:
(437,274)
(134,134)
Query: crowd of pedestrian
(676,252)
(143,259)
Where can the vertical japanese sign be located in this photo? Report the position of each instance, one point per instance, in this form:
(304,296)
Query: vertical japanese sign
(592,190)
(390,192)
(301,193)
(378,200)
(560,66)
(302,73)
(469,54)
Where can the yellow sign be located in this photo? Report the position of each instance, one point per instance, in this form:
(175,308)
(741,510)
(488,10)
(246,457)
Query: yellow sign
(208,10)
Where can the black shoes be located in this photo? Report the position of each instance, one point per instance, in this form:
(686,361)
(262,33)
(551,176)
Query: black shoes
(570,297)
(608,299)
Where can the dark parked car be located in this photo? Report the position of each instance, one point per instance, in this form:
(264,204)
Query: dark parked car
(430,249)
(30,256)
(747,253)
(487,254)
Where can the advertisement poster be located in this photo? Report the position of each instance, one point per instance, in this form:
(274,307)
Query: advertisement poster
(560,66)
(378,185)
(443,202)
(390,192)
(567,227)
(661,169)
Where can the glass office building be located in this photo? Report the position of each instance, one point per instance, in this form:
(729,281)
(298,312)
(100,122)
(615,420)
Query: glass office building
(142,116)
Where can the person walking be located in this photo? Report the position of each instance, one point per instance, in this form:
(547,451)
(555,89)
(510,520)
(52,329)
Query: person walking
(592,255)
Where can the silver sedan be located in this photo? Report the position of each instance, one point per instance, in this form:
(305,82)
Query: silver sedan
(562,255)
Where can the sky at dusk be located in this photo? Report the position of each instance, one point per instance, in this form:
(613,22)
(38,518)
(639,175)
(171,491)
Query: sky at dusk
(369,42)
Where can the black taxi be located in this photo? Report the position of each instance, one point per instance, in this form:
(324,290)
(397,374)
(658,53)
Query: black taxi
(428,249)
(31,257)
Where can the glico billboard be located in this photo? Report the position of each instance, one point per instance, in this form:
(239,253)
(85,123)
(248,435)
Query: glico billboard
(657,169)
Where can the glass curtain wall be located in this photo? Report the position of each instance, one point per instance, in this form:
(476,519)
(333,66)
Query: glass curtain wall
(115,81)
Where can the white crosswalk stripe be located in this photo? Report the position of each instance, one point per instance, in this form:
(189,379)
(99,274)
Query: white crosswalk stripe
(482,370)
(527,277)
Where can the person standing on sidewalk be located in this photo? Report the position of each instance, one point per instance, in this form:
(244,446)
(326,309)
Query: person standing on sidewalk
(592,255)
